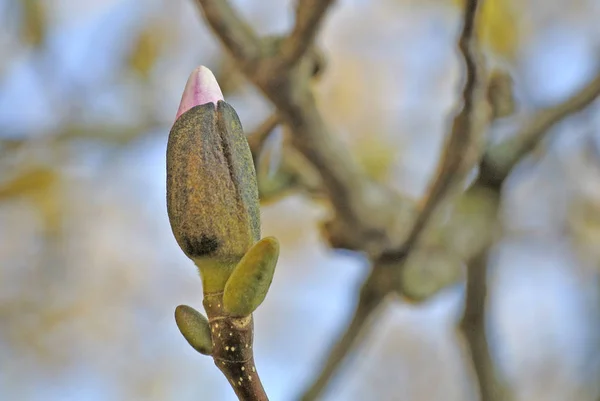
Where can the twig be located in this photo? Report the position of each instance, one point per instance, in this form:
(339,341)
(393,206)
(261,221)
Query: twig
(373,291)
(235,34)
(462,153)
(472,326)
(368,225)
(474,316)
(233,349)
(294,172)
(501,158)
(340,351)
(309,15)
(466,142)
(361,221)
(364,211)
(492,175)
(257,137)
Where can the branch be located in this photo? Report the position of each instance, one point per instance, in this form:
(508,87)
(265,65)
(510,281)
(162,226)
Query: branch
(500,159)
(238,365)
(368,216)
(340,351)
(364,211)
(461,154)
(472,326)
(235,34)
(309,15)
(257,137)
(372,293)
(108,134)
(493,175)
(497,164)
(293,173)
(464,146)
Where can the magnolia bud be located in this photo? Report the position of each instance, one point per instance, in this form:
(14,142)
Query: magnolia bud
(212,196)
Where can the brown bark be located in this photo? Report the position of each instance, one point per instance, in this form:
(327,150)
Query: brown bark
(232,349)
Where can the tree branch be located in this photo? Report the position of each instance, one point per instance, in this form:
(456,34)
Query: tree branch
(236,35)
(309,15)
(340,351)
(465,145)
(257,137)
(462,153)
(472,326)
(367,216)
(364,211)
(495,168)
(233,353)
(373,291)
(501,158)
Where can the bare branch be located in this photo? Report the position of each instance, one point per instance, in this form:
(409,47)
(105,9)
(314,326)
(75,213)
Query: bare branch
(500,159)
(233,350)
(117,134)
(497,164)
(462,153)
(465,144)
(309,15)
(294,173)
(364,211)
(236,35)
(372,293)
(369,217)
(339,352)
(472,326)
(364,214)
(257,137)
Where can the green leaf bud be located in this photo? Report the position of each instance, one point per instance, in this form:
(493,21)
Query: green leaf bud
(194,328)
(249,282)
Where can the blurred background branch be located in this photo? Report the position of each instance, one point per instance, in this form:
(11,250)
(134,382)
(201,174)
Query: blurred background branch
(505,155)
(309,15)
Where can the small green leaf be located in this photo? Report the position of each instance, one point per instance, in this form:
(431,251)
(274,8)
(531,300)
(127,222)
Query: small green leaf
(194,328)
(247,287)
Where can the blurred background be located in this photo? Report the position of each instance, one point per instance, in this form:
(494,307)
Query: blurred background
(90,273)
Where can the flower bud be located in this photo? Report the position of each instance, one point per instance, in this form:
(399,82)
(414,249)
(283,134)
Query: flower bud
(200,88)
(212,196)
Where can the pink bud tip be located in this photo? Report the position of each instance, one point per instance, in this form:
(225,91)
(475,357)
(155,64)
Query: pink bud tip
(201,88)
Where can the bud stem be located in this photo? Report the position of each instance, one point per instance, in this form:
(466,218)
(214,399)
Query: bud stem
(232,349)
